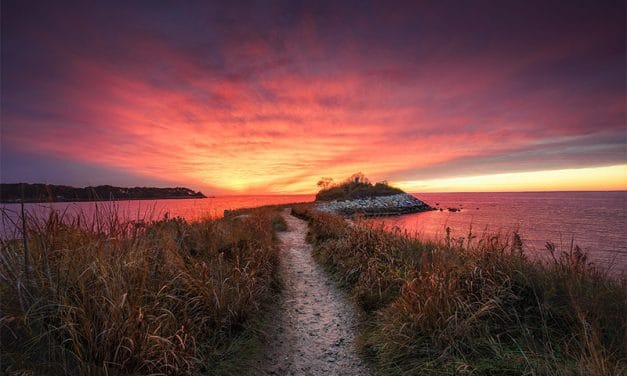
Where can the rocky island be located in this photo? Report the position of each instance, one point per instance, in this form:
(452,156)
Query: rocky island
(358,196)
(62,193)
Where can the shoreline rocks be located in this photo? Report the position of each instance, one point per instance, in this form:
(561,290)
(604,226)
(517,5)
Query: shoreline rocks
(398,204)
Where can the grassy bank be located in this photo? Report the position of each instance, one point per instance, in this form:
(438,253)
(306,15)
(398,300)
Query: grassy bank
(479,306)
(104,297)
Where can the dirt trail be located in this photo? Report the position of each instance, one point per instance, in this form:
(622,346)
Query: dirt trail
(313,324)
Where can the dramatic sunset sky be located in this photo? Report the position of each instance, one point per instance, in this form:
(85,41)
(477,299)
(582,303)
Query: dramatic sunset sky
(267,97)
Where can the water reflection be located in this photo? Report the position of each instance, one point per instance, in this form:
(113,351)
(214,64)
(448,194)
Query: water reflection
(596,221)
(144,210)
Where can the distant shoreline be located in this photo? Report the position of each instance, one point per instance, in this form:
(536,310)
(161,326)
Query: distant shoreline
(103,200)
(42,193)
(182,197)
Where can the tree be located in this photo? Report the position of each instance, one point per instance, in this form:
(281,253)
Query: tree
(325,183)
(359,177)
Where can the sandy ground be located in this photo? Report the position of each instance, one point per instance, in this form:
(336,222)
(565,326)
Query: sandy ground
(313,324)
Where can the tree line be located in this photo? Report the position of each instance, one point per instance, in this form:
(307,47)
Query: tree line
(63,193)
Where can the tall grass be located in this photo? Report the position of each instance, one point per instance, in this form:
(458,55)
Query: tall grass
(110,297)
(477,305)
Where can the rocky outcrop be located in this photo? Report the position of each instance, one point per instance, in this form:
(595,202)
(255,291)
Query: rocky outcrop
(401,203)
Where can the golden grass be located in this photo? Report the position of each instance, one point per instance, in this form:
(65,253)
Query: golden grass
(474,307)
(106,297)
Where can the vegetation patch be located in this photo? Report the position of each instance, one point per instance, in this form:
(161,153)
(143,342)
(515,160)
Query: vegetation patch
(355,187)
(97,296)
(474,305)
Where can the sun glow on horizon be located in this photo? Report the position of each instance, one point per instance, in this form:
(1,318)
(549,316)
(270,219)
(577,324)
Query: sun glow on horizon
(607,178)
(287,95)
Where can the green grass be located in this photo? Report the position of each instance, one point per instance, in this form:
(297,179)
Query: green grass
(474,307)
(164,297)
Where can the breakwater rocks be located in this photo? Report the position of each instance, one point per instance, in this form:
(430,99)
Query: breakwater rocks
(401,203)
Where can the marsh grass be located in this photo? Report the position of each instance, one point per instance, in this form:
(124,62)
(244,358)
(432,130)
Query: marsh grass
(103,296)
(474,305)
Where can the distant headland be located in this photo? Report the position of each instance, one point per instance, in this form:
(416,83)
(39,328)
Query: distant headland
(11,193)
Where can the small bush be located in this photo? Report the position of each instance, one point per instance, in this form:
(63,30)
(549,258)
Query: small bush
(278,223)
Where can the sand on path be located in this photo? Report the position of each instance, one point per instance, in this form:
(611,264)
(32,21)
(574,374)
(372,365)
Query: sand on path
(313,323)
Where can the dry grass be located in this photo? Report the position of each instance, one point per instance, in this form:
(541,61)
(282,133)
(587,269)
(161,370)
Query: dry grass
(105,297)
(475,307)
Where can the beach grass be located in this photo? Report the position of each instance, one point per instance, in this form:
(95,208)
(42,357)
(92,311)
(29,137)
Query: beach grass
(100,296)
(473,305)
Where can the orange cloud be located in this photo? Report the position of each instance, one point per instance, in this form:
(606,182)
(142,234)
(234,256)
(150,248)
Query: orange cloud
(256,107)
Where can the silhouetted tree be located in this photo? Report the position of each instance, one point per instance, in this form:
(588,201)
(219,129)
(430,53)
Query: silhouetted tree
(359,177)
(325,183)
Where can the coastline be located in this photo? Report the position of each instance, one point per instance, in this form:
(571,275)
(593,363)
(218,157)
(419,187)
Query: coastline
(102,200)
(40,192)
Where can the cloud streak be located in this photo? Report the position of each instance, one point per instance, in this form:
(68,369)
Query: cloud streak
(269,98)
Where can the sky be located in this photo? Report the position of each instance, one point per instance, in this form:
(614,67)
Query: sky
(269,96)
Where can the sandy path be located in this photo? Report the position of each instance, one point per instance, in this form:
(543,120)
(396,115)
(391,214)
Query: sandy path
(313,324)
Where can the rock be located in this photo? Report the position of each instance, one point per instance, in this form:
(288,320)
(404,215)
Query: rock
(401,203)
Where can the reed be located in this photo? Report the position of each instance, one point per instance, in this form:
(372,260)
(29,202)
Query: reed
(146,297)
(474,305)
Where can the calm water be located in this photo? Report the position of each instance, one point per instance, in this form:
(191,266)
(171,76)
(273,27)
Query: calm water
(190,209)
(596,221)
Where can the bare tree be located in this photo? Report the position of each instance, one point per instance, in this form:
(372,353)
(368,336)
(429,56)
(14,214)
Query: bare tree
(359,177)
(325,183)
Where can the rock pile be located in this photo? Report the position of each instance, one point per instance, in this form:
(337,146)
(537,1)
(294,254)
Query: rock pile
(401,203)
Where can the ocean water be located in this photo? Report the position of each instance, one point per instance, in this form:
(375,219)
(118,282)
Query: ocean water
(190,209)
(595,221)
